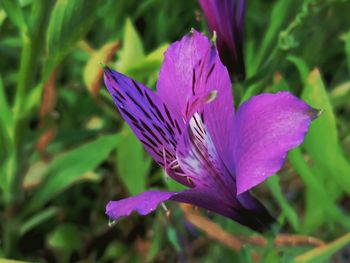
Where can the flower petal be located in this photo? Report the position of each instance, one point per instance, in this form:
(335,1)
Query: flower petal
(226,17)
(266,127)
(156,125)
(192,68)
(146,202)
(179,75)
(199,159)
(254,216)
(143,203)
(214,187)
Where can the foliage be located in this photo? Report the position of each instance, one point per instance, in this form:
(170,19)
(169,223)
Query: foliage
(65,151)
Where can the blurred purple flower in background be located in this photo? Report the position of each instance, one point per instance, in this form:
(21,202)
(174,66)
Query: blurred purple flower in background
(226,18)
(190,129)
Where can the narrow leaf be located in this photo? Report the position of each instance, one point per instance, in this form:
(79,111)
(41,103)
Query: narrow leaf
(93,71)
(324,252)
(322,140)
(69,22)
(287,209)
(14,12)
(71,166)
(347,49)
(132,51)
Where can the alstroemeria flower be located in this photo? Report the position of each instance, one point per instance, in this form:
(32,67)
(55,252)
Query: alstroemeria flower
(198,139)
(226,18)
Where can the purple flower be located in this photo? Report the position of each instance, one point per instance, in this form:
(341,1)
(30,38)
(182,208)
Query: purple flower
(190,129)
(226,18)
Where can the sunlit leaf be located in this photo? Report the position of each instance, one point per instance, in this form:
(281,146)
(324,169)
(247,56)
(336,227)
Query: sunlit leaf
(132,51)
(322,140)
(340,95)
(324,252)
(316,188)
(36,173)
(148,66)
(93,70)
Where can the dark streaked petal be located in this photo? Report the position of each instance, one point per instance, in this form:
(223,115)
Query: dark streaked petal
(226,17)
(266,127)
(214,187)
(155,124)
(192,69)
(179,73)
(199,159)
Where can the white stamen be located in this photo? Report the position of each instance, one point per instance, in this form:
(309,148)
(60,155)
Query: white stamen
(112,222)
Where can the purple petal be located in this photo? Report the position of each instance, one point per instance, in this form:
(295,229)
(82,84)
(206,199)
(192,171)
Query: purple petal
(266,127)
(148,201)
(214,185)
(226,17)
(192,69)
(179,74)
(155,124)
(199,159)
(255,216)
(143,203)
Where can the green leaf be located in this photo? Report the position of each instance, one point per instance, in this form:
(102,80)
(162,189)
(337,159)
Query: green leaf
(37,219)
(6,120)
(93,71)
(278,16)
(70,20)
(347,49)
(115,249)
(279,84)
(132,51)
(14,12)
(324,252)
(148,66)
(322,141)
(172,237)
(316,188)
(287,209)
(65,237)
(249,92)
(4,260)
(7,154)
(301,66)
(132,163)
(340,95)
(156,242)
(71,166)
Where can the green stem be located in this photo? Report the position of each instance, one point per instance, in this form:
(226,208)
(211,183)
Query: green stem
(32,41)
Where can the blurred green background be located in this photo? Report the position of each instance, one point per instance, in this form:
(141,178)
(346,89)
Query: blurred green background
(65,151)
